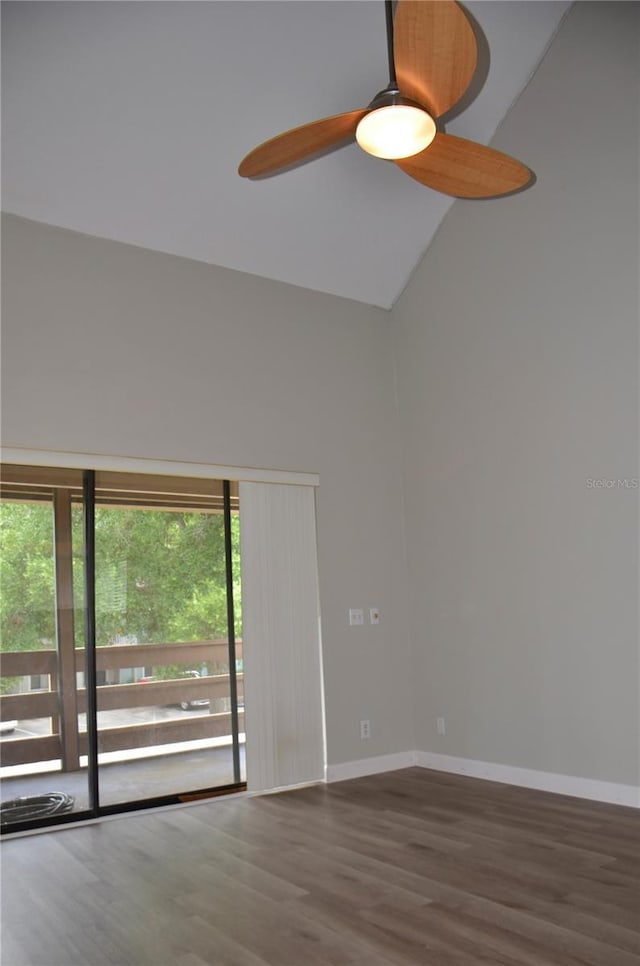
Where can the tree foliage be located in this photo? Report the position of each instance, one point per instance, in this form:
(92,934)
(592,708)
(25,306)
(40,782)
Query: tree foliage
(160,575)
(27,582)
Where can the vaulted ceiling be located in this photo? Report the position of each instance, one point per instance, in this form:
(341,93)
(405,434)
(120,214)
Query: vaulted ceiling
(128,120)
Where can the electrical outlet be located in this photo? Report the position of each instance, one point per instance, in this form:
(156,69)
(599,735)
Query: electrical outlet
(356,616)
(365,729)
(441,726)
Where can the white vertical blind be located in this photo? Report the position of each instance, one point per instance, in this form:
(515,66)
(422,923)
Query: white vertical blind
(284,717)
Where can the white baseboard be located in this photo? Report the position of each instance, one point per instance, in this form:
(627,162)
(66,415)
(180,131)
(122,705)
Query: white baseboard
(259,792)
(370,766)
(545,781)
(598,791)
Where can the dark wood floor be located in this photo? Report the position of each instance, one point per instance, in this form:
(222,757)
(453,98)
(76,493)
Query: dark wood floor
(411,867)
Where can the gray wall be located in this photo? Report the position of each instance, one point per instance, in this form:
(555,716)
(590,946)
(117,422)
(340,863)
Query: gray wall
(516,350)
(117,350)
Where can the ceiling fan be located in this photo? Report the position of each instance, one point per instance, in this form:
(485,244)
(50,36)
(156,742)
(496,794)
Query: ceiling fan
(432,59)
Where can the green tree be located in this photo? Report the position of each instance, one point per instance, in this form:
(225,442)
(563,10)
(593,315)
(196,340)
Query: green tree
(160,575)
(27,580)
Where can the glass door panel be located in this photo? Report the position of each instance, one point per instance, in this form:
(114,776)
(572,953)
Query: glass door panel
(164,710)
(41,770)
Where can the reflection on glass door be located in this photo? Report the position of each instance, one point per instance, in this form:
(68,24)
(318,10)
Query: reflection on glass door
(165,714)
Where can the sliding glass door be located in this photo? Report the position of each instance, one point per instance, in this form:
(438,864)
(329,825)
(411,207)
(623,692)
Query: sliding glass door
(126,588)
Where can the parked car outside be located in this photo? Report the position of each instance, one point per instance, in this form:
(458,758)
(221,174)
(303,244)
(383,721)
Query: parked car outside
(185,705)
(195,702)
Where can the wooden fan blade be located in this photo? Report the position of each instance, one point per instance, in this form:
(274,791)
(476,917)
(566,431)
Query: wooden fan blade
(465,169)
(435,52)
(301,142)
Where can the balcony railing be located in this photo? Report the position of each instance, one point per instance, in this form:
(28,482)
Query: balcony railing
(64,701)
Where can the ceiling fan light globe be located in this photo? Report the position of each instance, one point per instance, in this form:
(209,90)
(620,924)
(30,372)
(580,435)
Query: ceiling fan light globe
(395,131)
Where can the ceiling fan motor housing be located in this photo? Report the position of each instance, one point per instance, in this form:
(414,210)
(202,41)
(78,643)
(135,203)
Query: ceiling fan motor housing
(391,97)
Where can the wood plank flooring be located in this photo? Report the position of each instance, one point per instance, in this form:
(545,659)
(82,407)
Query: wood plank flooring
(409,868)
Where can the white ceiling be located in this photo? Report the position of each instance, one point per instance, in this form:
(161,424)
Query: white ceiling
(127,120)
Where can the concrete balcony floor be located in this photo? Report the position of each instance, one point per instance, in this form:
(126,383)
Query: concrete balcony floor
(149,777)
